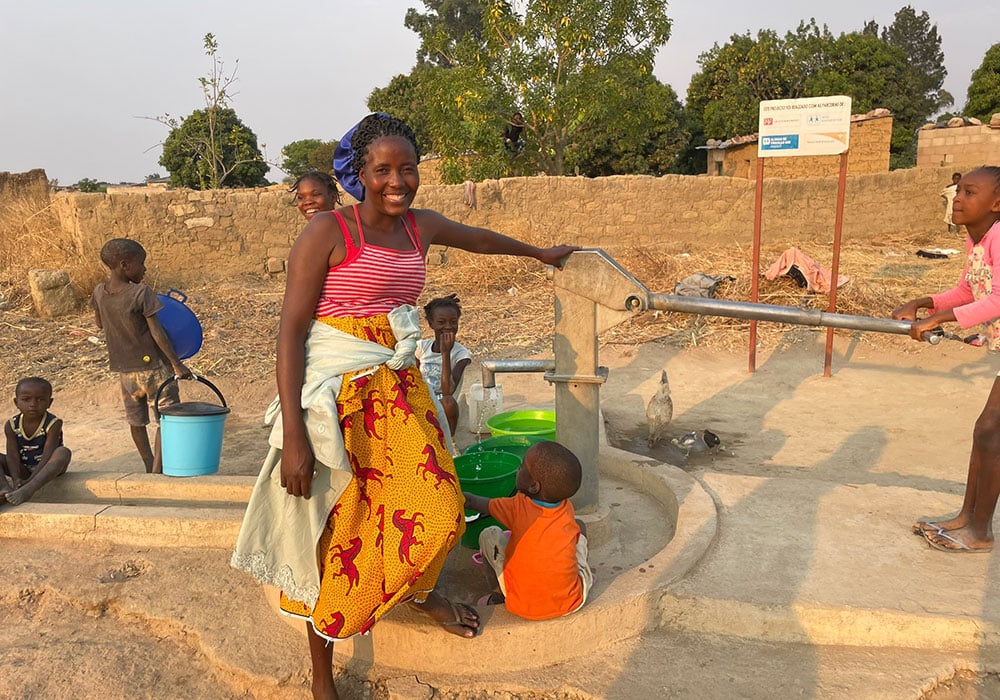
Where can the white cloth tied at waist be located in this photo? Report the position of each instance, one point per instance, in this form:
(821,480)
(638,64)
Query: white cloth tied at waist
(278,538)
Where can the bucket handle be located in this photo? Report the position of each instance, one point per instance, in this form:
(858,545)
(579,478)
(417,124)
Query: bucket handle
(156,401)
(178,295)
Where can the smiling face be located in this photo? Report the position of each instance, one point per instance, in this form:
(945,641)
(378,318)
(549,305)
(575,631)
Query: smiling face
(390,175)
(977,202)
(444,318)
(312,197)
(33,400)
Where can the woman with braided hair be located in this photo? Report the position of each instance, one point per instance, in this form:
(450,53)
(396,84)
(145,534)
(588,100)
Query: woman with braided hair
(349,327)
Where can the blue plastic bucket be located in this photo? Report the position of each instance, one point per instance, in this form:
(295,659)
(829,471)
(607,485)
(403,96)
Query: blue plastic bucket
(179,323)
(487,474)
(191,433)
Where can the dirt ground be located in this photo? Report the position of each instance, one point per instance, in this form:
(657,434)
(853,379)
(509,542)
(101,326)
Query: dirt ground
(107,652)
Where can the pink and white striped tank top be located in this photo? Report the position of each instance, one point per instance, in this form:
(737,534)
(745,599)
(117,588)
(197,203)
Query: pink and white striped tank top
(373,280)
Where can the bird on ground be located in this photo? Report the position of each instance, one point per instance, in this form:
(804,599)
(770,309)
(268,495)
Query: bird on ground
(698,442)
(659,411)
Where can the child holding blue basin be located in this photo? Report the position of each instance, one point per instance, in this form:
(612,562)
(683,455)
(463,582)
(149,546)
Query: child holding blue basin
(538,568)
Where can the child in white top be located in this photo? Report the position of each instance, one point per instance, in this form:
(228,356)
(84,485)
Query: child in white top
(442,316)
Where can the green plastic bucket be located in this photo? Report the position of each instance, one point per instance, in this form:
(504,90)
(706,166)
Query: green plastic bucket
(486,474)
(191,433)
(541,423)
(514,444)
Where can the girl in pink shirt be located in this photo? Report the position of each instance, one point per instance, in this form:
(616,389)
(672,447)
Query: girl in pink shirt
(973,301)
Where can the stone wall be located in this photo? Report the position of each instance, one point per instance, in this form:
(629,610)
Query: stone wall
(962,147)
(869,153)
(192,235)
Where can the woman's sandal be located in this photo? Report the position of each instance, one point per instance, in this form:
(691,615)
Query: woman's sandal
(491,599)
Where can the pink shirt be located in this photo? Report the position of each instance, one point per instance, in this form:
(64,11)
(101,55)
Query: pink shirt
(975,299)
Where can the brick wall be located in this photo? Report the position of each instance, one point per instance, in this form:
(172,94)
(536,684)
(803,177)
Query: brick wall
(961,147)
(869,153)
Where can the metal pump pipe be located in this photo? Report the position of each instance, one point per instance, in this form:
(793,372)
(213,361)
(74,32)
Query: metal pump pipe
(491,368)
(769,312)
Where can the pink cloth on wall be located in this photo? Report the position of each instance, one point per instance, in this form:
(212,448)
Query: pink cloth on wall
(817,277)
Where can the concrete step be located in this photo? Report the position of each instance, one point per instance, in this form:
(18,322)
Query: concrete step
(134,488)
(144,525)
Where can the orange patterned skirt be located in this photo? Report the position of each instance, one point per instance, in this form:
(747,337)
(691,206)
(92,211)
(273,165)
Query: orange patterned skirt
(390,531)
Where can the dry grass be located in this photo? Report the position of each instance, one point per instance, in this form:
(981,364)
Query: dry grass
(507,305)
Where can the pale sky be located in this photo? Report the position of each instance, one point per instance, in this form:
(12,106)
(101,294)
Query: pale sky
(76,77)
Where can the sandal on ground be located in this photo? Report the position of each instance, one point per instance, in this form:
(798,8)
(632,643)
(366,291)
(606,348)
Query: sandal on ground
(922,526)
(491,599)
(944,542)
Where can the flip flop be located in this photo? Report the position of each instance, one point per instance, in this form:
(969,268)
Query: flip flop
(491,599)
(959,546)
(922,526)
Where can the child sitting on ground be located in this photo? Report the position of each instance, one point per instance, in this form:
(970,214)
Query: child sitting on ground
(138,347)
(539,569)
(35,452)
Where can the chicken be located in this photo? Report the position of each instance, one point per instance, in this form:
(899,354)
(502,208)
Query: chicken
(659,411)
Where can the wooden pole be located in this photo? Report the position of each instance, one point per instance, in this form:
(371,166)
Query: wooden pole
(755,266)
(835,271)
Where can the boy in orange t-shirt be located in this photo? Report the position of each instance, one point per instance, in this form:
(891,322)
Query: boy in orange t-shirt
(539,568)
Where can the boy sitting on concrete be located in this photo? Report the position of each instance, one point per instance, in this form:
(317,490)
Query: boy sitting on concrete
(35,453)
(539,568)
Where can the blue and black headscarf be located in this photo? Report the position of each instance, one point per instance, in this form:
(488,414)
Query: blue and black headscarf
(349,156)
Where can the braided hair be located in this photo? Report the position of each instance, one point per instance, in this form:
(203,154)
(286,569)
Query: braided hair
(442,303)
(374,127)
(994,172)
(322,179)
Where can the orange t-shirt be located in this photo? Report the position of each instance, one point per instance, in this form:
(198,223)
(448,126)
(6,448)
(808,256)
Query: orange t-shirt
(540,570)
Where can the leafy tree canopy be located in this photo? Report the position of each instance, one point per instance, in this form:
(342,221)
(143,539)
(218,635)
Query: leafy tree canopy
(983,100)
(901,69)
(299,157)
(89,185)
(212,149)
(443,26)
(565,65)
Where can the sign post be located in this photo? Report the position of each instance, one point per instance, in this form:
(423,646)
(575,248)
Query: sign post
(809,126)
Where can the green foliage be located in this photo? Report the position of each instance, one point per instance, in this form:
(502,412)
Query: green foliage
(983,99)
(445,24)
(212,147)
(901,70)
(299,157)
(405,97)
(635,127)
(88,185)
(552,61)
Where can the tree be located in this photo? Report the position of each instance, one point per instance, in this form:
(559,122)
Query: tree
(920,95)
(546,59)
(443,26)
(212,147)
(983,100)
(88,185)
(406,97)
(639,132)
(307,154)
